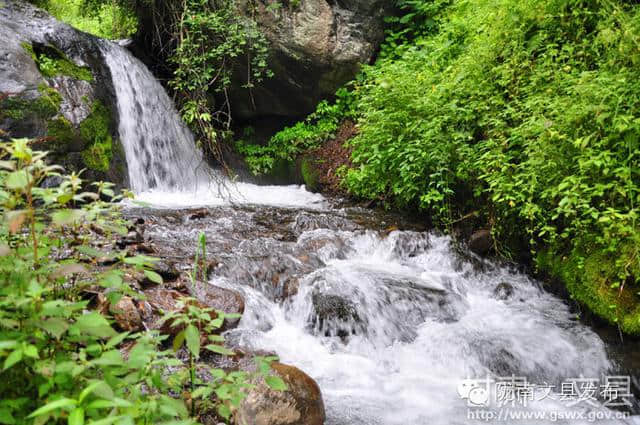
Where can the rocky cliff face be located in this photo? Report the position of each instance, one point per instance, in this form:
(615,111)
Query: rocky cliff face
(315,47)
(55,88)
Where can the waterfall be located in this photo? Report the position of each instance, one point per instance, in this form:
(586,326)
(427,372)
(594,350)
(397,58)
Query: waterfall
(160,150)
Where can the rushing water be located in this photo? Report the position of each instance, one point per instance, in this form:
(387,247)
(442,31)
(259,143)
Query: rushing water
(392,324)
(160,150)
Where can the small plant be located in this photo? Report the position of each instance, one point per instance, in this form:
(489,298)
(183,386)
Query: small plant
(61,360)
(290,142)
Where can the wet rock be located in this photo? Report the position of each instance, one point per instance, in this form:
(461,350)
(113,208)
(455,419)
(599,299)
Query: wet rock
(305,222)
(335,315)
(198,214)
(503,291)
(409,244)
(481,242)
(220,299)
(290,287)
(167,269)
(126,314)
(300,404)
(161,301)
(132,238)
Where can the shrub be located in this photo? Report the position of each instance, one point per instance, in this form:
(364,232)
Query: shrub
(63,362)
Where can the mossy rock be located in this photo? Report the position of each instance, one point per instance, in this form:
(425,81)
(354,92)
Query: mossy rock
(62,134)
(96,129)
(590,276)
(282,172)
(309,174)
(52,62)
(45,106)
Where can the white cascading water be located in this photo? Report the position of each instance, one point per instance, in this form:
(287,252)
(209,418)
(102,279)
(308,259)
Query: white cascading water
(160,150)
(413,322)
(165,167)
(389,326)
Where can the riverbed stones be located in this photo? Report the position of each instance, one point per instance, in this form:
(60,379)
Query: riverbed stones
(300,404)
(220,299)
(481,242)
(503,291)
(126,314)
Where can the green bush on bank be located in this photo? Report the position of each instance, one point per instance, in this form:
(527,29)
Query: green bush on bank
(61,358)
(106,19)
(526,111)
(526,114)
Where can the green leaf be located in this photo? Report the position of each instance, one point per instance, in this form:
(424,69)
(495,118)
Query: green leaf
(66,217)
(178,341)
(76,417)
(13,358)
(192,336)
(17,180)
(56,326)
(275,383)
(99,388)
(224,411)
(94,324)
(153,276)
(107,421)
(54,405)
(219,349)
(31,351)
(108,404)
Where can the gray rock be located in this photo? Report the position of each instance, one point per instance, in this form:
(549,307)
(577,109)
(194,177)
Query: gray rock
(52,109)
(315,48)
(503,291)
(300,404)
(481,242)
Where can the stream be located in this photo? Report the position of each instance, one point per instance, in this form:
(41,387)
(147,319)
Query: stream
(397,324)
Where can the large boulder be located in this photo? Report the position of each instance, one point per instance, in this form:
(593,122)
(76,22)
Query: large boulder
(300,404)
(315,46)
(56,89)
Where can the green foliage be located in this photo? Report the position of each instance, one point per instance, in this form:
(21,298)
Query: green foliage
(309,174)
(51,62)
(62,362)
(213,39)
(529,111)
(287,144)
(45,106)
(103,18)
(96,129)
(591,277)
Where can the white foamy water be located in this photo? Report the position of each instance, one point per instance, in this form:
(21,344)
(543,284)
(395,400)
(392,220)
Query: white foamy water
(233,193)
(160,150)
(418,322)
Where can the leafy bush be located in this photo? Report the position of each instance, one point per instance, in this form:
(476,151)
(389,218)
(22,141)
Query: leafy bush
(526,111)
(318,127)
(62,361)
(211,39)
(107,19)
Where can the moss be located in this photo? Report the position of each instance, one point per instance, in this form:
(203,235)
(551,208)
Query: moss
(309,174)
(589,277)
(96,129)
(61,131)
(45,106)
(52,62)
